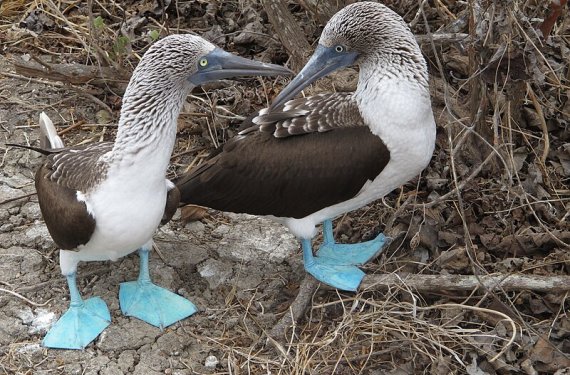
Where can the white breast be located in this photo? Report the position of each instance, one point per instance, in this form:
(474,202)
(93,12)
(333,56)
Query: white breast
(127,207)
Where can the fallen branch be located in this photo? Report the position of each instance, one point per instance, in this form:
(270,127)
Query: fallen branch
(75,74)
(297,309)
(419,283)
(17,198)
(28,301)
(289,31)
(442,38)
(436,283)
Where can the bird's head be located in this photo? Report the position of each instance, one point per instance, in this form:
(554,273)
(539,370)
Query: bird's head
(358,33)
(186,60)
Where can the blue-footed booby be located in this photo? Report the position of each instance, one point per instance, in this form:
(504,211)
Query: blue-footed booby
(103,201)
(309,160)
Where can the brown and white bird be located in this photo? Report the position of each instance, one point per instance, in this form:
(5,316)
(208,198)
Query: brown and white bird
(311,159)
(103,201)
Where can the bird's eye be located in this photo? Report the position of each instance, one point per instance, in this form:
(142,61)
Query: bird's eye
(203,62)
(339,48)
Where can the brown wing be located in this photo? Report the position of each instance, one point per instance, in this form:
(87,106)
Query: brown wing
(287,177)
(65,173)
(172,203)
(79,167)
(67,219)
(318,113)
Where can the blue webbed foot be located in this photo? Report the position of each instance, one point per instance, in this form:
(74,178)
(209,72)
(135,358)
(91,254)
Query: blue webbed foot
(338,276)
(349,254)
(151,303)
(81,323)
(327,270)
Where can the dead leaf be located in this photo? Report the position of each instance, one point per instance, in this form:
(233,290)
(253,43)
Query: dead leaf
(454,259)
(547,358)
(192,213)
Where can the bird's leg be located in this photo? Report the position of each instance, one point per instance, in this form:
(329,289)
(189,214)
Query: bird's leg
(81,323)
(328,234)
(149,302)
(144,274)
(328,271)
(349,254)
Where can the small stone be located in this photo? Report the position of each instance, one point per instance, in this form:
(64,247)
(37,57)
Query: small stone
(215,272)
(211,362)
(6,228)
(196,227)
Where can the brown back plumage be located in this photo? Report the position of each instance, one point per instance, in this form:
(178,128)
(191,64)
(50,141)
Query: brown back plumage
(309,154)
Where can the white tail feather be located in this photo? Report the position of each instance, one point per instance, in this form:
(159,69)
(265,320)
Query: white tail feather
(49,138)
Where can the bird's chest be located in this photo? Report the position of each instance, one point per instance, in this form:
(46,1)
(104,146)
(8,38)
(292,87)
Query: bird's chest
(401,115)
(126,214)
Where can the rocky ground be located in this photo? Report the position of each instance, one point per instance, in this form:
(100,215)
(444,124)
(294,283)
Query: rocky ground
(508,216)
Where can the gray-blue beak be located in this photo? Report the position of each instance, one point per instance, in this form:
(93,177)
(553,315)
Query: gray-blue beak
(324,61)
(220,64)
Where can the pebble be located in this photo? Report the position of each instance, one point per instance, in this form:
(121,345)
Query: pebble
(211,362)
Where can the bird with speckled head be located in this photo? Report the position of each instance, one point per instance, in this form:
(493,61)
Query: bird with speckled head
(311,159)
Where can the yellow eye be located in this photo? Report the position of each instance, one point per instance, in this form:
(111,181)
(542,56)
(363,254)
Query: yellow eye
(203,62)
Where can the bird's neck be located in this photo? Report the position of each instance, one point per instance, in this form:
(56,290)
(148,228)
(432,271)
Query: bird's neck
(393,94)
(147,127)
(404,65)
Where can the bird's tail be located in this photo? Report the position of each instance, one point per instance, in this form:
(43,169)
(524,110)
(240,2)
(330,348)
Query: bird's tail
(49,140)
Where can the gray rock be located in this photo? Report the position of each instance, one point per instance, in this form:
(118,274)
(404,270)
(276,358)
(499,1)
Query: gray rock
(19,263)
(6,228)
(73,369)
(171,342)
(196,227)
(96,364)
(211,361)
(215,272)
(126,360)
(37,233)
(11,329)
(112,368)
(182,253)
(253,238)
(131,335)
(7,193)
(31,210)
(15,181)
(151,362)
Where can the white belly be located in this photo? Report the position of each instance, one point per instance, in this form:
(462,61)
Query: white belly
(126,218)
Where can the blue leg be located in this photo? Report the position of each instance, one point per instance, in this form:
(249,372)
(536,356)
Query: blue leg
(151,303)
(349,254)
(340,276)
(81,323)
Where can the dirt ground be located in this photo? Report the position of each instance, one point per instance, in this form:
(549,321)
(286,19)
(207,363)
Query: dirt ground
(508,216)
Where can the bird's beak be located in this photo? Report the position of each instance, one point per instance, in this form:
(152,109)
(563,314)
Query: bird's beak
(222,65)
(324,61)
